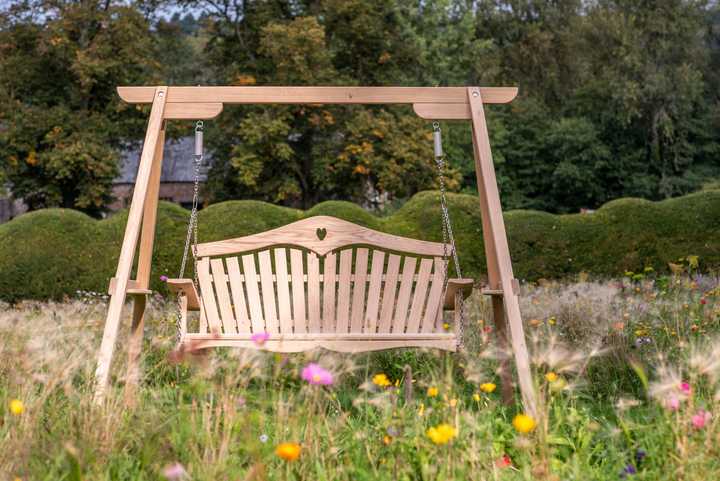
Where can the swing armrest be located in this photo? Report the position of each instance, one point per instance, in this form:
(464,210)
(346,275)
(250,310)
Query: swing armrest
(185,287)
(455,287)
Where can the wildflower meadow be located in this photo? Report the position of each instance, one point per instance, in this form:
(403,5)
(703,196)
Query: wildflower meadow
(627,373)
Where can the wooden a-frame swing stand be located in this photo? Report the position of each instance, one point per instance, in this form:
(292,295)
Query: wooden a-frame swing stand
(195,103)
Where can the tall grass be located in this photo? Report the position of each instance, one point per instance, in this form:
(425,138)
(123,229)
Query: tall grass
(627,371)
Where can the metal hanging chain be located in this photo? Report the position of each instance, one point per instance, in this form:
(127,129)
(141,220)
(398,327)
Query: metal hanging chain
(192,231)
(447,226)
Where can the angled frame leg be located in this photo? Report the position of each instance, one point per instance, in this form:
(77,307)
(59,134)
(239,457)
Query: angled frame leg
(127,253)
(498,251)
(147,239)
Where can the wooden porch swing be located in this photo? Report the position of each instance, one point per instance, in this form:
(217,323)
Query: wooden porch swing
(319,282)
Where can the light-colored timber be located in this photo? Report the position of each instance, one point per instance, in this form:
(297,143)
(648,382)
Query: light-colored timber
(392,292)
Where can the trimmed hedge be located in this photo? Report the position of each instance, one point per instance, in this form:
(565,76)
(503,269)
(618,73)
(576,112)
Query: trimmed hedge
(53,253)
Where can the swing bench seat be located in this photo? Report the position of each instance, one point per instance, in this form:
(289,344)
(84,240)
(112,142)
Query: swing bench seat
(320,282)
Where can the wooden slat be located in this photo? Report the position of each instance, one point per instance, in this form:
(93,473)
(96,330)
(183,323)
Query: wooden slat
(403,297)
(192,111)
(313,292)
(338,234)
(253,293)
(208,295)
(283,291)
(388,302)
(329,283)
(203,324)
(349,345)
(442,111)
(419,296)
(223,296)
(318,95)
(435,297)
(358,295)
(238,295)
(298,290)
(373,297)
(268,292)
(343,309)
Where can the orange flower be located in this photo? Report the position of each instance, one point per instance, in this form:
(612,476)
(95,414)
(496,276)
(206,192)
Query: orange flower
(288,451)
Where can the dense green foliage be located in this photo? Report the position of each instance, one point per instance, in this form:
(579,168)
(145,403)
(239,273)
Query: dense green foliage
(618,98)
(52,253)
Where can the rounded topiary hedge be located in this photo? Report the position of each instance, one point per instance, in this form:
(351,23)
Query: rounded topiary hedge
(53,253)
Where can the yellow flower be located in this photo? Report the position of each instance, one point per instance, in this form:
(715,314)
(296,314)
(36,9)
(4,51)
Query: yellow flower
(288,451)
(476,397)
(17,407)
(552,321)
(442,433)
(453,403)
(381,380)
(421,411)
(432,391)
(487,387)
(446,326)
(523,423)
(387,440)
(551,376)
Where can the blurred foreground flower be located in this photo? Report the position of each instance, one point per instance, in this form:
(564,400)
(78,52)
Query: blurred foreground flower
(174,472)
(523,423)
(701,418)
(628,470)
(288,451)
(442,433)
(259,338)
(504,462)
(381,380)
(488,387)
(314,374)
(17,407)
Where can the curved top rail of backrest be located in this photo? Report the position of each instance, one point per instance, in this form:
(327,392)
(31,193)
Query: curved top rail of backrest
(320,234)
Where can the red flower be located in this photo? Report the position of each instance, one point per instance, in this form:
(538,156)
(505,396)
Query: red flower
(504,462)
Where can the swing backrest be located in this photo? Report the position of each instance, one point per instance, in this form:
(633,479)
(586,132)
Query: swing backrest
(321,275)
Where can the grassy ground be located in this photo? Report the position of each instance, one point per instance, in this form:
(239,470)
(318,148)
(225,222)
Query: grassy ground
(628,373)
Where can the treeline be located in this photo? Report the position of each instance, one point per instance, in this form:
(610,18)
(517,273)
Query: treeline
(617,98)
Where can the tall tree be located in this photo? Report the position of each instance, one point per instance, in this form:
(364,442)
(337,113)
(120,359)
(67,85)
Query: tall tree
(63,122)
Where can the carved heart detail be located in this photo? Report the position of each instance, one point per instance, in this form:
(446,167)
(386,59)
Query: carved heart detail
(321,233)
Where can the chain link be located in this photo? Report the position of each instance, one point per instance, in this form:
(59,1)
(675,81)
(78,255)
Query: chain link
(192,232)
(447,233)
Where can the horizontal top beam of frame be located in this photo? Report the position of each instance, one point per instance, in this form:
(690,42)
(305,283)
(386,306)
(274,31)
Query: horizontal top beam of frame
(318,95)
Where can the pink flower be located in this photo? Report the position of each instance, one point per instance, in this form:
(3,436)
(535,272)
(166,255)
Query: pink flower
(685,387)
(163,278)
(174,472)
(259,338)
(701,418)
(672,403)
(314,374)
